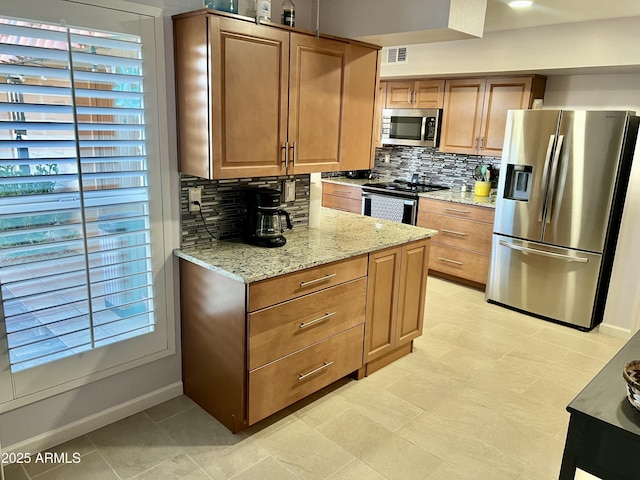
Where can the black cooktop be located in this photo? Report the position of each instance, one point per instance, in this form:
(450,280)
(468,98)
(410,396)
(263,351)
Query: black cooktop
(405,186)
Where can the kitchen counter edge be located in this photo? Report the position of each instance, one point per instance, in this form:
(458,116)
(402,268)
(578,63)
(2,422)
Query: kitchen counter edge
(338,236)
(454,195)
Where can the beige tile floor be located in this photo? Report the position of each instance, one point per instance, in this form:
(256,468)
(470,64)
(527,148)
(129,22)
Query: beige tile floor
(483,396)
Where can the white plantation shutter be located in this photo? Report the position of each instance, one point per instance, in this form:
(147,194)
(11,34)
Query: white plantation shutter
(76,265)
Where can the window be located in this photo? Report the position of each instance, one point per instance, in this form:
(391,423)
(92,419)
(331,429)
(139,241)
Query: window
(78,267)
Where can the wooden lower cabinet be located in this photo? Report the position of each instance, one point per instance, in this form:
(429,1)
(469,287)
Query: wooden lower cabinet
(281,383)
(342,197)
(463,244)
(249,351)
(395,298)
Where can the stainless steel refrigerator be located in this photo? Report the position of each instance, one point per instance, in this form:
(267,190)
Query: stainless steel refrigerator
(563,180)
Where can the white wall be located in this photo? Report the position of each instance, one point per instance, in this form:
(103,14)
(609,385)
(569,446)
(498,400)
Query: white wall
(589,44)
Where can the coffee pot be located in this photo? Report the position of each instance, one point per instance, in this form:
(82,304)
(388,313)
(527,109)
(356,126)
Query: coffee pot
(264,226)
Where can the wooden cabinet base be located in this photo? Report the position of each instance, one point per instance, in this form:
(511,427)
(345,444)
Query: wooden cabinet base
(390,357)
(283,382)
(249,351)
(455,279)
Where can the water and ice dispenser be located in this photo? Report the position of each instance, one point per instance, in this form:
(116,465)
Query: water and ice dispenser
(518,182)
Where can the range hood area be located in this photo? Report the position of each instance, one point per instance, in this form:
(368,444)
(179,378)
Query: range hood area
(404,22)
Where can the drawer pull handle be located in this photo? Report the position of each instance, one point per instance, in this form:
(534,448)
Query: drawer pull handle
(341,192)
(456,210)
(313,322)
(453,232)
(317,280)
(450,261)
(302,376)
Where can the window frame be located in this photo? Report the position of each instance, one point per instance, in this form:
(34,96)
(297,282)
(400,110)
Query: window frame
(23,388)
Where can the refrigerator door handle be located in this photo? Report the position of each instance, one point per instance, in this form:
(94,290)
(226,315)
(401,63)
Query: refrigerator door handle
(545,174)
(552,183)
(543,253)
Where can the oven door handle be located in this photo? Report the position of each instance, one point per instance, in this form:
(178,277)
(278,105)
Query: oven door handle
(366,204)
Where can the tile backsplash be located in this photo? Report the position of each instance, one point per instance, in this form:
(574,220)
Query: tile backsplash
(223,206)
(453,170)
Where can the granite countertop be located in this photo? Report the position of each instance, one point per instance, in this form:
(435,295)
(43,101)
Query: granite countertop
(338,236)
(454,195)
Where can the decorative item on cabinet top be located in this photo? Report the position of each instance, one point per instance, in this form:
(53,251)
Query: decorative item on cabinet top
(234,130)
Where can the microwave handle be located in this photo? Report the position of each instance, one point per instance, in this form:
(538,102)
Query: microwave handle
(423,129)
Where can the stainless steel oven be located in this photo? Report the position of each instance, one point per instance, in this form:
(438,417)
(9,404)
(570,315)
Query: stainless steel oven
(415,127)
(390,207)
(396,201)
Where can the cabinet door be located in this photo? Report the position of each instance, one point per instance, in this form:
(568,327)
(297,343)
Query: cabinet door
(462,114)
(412,291)
(381,99)
(382,297)
(502,95)
(316,103)
(249,81)
(360,113)
(400,94)
(429,94)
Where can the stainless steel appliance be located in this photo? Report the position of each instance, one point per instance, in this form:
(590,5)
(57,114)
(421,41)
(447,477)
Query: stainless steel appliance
(415,127)
(563,180)
(264,225)
(396,201)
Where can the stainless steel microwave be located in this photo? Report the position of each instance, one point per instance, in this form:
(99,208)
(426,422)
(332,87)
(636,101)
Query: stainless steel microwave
(415,127)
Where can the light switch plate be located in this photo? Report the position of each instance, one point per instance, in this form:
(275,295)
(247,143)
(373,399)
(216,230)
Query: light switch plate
(289,188)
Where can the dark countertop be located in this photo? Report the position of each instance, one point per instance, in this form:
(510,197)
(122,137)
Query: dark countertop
(605,399)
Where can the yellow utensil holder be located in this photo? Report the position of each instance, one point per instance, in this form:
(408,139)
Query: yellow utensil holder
(482,189)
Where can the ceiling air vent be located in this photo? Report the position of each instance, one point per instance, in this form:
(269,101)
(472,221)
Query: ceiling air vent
(397,55)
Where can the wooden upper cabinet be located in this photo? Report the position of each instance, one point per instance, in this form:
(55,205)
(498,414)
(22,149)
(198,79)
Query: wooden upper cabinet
(475,111)
(316,101)
(501,95)
(362,119)
(381,100)
(400,94)
(415,94)
(462,115)
(429,94)
(246,92)
(249,126)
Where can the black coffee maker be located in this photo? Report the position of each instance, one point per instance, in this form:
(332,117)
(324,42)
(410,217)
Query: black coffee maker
(264,225)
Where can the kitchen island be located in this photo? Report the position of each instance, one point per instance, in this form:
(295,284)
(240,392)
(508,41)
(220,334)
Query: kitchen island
(263,328)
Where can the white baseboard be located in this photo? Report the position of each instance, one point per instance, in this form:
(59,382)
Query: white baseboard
(615,331)
(97,420)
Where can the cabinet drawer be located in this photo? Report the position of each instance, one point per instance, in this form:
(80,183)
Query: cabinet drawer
(354,193)
(461,210)
(286,287)
(459,263)
(287,327)
(458,232)
(281,383)
(342,203)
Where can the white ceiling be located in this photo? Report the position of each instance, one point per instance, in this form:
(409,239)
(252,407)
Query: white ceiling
(548,12)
